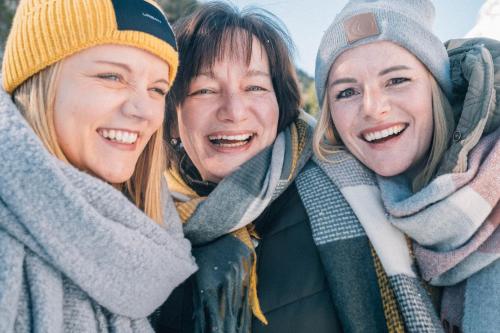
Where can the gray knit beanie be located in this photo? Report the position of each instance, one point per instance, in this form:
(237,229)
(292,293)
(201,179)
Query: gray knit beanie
(405,22)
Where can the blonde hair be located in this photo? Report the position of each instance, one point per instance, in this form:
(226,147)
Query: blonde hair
(327,142)
(35,98)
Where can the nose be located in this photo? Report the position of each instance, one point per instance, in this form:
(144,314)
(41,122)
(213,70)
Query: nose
(232,108)
(375,103)
(137,105)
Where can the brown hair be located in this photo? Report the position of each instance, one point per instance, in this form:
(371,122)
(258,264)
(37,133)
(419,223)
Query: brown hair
(35,98)
(326,140)
(205,37)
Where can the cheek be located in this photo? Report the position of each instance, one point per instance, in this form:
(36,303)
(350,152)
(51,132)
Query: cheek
(269,115)
(424,115)
(66,116)
(190,119)
(187,129)
(158,119)
(272,122)
(342,123)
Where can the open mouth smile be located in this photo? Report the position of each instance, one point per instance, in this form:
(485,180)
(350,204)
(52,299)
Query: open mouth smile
(231,141)
(385,134)
(119,136)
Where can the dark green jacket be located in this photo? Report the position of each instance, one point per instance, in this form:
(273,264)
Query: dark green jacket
(292,288)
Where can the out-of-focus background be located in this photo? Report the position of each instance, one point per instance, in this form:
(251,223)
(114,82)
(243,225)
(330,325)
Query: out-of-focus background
(306,21)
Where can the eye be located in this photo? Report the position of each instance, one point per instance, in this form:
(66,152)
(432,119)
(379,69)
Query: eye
(256,88)
(397,80)
(159,91)
(346,93)
(203,91)
(110,76)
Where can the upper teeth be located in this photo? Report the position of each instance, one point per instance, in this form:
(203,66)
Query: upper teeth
(384,133)
(119,136)
(240,137)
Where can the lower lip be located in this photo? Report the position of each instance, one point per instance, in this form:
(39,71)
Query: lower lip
(121,146)
(237,149)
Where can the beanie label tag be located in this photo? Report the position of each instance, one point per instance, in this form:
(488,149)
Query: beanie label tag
(144,16)
(361,26)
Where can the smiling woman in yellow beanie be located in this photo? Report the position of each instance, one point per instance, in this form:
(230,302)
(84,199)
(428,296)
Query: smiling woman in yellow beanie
(82,108)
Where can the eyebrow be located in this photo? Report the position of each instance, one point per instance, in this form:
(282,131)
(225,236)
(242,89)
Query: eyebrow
(256,72)
(381,73)
(126,68)
(343,80)
(392,69)
(113,63)
(251,72)
(208,74)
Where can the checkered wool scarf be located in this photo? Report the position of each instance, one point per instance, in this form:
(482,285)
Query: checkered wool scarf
(367,261)
(225,289)
(454,221)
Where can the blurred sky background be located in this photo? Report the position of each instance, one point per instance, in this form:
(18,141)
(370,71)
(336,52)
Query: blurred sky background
(307,19)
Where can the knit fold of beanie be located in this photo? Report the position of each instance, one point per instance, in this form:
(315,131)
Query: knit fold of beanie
(46,31)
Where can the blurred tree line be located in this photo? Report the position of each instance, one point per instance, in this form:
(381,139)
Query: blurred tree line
(174,10)
(7,9)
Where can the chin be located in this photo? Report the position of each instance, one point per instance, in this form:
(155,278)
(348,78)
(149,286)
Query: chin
(388,172)
(113,177)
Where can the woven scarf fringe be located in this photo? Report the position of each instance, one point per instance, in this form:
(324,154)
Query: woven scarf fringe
(392,314)
(229,307)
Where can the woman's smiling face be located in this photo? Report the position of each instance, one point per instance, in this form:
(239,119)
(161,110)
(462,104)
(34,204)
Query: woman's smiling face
(109,101)
(379,96)
(229,115)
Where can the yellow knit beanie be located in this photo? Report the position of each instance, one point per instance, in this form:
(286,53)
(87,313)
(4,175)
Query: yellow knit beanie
(46,31)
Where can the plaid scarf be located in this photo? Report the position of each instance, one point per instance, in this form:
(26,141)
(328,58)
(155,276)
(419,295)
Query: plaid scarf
(454,221)
(225,288)
(368,264)
(455,218)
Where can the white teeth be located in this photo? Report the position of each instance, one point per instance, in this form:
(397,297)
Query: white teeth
(240,137)
(384,133)
(119,136)
(230,145)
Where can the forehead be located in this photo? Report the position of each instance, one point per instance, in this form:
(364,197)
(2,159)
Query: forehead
(374,56)
(131,59)
(238,48)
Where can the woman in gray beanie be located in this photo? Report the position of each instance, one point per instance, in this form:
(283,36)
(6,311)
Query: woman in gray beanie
(422,116)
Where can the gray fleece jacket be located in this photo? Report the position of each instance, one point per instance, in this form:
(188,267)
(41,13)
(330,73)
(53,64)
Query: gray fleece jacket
(75,254)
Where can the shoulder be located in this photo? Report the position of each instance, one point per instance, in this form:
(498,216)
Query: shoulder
(343,169)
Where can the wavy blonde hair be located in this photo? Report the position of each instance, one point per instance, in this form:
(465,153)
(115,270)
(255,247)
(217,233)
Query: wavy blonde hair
(35,99)
(326,140)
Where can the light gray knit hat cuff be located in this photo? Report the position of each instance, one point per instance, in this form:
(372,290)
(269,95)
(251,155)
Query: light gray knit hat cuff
(394,27)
